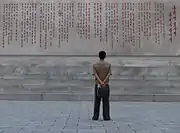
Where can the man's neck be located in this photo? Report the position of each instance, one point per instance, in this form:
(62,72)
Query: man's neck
(101,60)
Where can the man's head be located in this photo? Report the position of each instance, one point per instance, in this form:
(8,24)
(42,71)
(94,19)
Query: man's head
(102,55)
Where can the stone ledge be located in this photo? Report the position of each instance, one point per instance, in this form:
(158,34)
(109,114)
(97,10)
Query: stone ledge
(133,97)
(145,77)
(21,97)
(167,98)
(67,97)
(89,97)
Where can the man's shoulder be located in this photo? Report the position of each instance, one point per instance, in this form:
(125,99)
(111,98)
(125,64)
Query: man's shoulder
(100,63)
(107,63)
(95,64)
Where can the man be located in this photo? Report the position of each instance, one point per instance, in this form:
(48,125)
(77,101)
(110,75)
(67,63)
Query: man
(102,72)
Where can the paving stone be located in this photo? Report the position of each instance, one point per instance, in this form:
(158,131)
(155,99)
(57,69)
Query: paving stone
(74,117)
(99,130)
(84,125)
(124,128)
(85,131)
(69,131)
(55,130)
(153,130)
(11,130)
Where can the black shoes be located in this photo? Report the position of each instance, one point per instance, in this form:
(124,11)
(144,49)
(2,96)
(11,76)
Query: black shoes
(105,119)
(94,118)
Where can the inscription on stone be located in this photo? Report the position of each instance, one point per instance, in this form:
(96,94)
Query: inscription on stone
(78,27)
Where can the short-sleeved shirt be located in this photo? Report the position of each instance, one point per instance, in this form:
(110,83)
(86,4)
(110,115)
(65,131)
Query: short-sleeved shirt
(102,68)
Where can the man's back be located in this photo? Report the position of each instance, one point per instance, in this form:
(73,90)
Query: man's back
(102,68)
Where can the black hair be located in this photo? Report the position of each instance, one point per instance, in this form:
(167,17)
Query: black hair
(102,55)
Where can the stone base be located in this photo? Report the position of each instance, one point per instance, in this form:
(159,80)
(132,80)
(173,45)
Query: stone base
(70,78)
(85,97)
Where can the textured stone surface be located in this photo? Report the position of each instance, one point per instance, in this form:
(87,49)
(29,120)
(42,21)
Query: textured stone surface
(167,98)
(53,74)
(75,117)
(21,97)
(133,97)
(89,97)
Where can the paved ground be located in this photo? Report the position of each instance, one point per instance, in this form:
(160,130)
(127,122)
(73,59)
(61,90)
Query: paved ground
(75,117)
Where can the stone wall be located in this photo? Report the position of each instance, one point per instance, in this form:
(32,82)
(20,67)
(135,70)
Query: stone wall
(53,74)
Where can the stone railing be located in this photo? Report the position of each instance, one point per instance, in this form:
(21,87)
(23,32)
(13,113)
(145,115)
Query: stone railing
(74,75)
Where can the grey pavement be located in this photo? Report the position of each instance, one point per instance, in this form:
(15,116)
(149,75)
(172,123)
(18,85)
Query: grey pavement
(75,117)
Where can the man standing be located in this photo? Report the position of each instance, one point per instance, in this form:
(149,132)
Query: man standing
(102,72)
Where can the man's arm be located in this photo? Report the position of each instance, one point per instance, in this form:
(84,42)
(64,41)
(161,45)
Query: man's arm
(96,76)
(99,80)
(108,75)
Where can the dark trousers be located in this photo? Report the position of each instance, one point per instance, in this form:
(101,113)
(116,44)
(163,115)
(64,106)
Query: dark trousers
(105,100)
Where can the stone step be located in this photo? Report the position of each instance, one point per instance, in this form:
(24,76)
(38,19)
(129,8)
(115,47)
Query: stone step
(124,85)
(90,90)
(45,67)
(89,97)
(33,84)
(146,77)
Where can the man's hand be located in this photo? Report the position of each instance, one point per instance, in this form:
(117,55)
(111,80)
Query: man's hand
(103,84)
